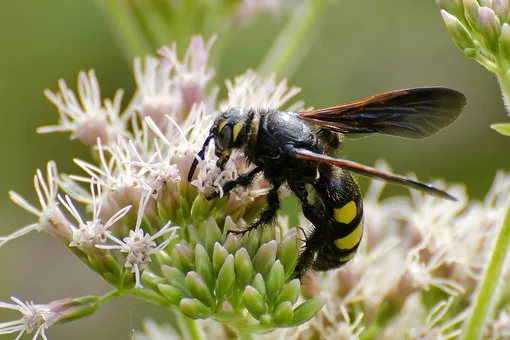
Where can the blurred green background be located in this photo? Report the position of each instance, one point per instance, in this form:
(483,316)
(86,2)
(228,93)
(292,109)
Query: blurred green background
(362,48)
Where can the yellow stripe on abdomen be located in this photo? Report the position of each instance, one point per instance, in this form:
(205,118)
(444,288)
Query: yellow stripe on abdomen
(351,240)
(346,214)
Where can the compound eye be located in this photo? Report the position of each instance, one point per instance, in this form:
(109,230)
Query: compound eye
(224,138)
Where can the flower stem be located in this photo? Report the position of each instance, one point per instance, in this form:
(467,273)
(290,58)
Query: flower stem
(504,84)
(291,45)
(486,293)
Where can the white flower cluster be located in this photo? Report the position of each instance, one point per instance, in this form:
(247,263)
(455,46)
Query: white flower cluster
(144,152)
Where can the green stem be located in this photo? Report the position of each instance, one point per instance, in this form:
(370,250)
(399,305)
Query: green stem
(126,27)
(486,294)
(504,84)
(290,46)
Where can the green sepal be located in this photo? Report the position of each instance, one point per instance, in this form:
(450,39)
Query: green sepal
(194,309)
(254,302)
(199,290)
(226,279)
(243,268)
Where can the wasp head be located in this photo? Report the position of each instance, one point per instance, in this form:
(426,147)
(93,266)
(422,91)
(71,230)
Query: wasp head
(229,131)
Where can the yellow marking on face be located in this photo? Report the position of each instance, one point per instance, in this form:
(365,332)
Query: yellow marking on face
(347,213)
(237,129)
(222,125)
(347,257)
(351,240)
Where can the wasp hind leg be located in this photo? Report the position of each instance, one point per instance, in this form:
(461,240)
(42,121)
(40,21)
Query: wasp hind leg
(268,214)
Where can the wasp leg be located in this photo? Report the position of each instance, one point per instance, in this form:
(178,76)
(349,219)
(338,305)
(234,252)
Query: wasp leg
(313,241)
(268,214)
(244,180)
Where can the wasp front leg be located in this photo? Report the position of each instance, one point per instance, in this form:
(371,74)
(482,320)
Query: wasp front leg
(244,181)
(268,214)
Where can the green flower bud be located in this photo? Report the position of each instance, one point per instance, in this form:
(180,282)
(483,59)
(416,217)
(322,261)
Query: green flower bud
(151,280)
(460,35)
(489,27)
(226,279)
(289,293)
(183,258)
(218,257)
(199,289)
(232,244)
(254,302)
(265,257)
(471,13)
(283,314)
(251,242)
(260,285)
(275,281)
(268,234)
(266,320)
(243,267)
(175,277)
(194,235)
(504,42)
(171,293)
(212,234)
(288,252)
(501,9)
(307,310)
(203,266)
(194,309)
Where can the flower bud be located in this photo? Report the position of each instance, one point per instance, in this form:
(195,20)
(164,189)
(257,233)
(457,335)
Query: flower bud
(183,258)
(504,42)
(265,257)
(254,302)
(454,7)
(471,13)
(194,309)
(212,234)
(260,285)
(218,257)
(171,293)
(199,289)
(460,35)
(501,9)
(283,314)
(226,279)
(289,293)
(243,267)
(288,252)
(489,27)
(203,266)
(275,281)
(175,277)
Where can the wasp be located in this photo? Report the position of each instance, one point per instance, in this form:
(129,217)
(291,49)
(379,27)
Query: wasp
(299,149)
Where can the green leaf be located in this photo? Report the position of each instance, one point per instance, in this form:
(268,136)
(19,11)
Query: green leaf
(503,128)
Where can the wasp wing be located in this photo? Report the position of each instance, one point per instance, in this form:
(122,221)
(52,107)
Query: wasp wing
(411,113)
(372,172)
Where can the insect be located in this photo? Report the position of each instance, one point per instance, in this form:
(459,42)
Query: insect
(299,148)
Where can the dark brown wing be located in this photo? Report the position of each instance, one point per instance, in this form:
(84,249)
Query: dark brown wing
(411,113)
(373,173)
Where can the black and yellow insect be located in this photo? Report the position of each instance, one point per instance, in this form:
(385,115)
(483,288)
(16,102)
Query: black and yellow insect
(297,149)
